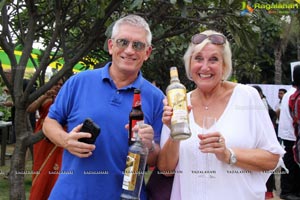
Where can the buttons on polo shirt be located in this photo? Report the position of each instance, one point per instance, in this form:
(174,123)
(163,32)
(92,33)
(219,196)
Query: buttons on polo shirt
(116,99)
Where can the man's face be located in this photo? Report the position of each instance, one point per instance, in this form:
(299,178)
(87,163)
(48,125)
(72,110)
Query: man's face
(129,49)
(280,94)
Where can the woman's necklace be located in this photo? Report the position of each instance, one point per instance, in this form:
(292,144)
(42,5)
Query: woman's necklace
(213,98)
(206,106)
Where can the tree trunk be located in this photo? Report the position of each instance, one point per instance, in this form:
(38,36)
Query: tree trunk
(17,170)
(278,63)
(298,49)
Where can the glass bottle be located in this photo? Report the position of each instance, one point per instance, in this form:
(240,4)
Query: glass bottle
(135,170)
(136,158)
(135,115)
(176,94)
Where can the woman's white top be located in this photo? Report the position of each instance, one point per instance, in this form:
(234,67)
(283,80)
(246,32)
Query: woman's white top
(245,123)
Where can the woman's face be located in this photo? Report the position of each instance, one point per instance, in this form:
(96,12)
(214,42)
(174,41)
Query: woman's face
(207,66)
(57,86)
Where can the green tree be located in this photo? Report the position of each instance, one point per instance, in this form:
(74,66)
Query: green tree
(76,30)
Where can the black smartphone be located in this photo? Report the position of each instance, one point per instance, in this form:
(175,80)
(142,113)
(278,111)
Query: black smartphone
(90,127)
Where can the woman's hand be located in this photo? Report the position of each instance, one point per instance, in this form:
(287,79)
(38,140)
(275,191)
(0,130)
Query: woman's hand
(214,143)
(167,114)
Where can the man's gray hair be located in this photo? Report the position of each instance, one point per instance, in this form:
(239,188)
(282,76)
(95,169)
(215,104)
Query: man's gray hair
(133,20)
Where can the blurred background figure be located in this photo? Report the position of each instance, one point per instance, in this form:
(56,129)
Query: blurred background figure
(286,134)
(7,103)
(270,184)
(46,155)
(281,93)
(289,182)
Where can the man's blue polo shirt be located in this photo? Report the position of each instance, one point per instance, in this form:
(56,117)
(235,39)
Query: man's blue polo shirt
(93,94)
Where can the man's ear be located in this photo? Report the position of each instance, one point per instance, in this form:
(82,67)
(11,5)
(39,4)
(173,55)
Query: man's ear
(110,46)
(148,52)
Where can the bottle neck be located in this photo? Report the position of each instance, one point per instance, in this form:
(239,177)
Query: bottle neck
(174,79)
(174,75)
(136,101)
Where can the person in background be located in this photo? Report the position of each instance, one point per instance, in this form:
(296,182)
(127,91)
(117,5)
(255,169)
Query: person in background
(46,155)
(10,103)
(95,171)
(289,181)
(243,145)
(294,106)
(6,97)
(270,184)
(7,103)
(261,94)
(270,110)
(281,92)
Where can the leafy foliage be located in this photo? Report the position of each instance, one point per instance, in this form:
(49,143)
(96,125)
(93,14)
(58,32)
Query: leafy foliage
(77,30)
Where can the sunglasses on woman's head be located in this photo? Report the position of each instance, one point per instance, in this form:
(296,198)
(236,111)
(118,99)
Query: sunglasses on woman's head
(214,38)
(136,45)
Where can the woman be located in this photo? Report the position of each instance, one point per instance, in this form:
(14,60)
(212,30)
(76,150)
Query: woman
(230,162)
(46,155)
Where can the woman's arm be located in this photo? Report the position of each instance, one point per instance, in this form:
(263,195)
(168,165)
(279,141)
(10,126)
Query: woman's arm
(248,159)
(169,153)
(168,157)
(255,159)
(36,104)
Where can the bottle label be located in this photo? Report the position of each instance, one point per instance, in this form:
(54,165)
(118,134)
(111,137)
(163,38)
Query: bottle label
(177,100)
(130,174)
(136,100)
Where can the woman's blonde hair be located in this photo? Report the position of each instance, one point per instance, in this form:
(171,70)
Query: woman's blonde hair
(195,48)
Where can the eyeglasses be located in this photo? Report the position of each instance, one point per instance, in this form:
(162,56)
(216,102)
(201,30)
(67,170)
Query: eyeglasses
(136,45)
(214,38)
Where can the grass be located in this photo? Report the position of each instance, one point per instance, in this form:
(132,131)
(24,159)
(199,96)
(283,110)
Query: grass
(4,182)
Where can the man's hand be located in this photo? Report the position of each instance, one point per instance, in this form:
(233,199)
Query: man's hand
(146,134)
(79,149)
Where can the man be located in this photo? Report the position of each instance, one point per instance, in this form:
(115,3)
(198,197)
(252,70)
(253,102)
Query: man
(105,95)
(281,92)
(290,187)
(294,106)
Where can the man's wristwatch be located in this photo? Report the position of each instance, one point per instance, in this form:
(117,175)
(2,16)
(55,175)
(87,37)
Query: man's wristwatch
(232,158)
